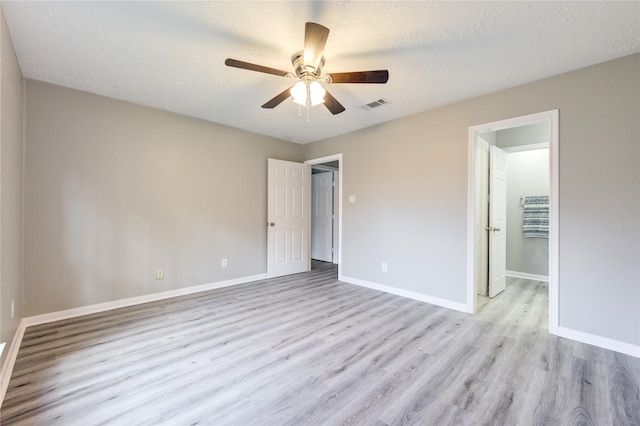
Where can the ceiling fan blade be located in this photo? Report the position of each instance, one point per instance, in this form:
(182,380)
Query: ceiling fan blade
(278,99)
(377,77)
(315,37)
(253,67)
(332,104)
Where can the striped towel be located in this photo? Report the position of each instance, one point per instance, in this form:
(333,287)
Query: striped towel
(535,218)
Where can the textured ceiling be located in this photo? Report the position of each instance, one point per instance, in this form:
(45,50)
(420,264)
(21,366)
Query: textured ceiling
(170,55)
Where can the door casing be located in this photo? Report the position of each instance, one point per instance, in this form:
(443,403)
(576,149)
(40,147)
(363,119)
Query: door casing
(552,118)
(328,159)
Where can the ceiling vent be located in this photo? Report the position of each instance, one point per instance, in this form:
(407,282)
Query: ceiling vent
(376,104)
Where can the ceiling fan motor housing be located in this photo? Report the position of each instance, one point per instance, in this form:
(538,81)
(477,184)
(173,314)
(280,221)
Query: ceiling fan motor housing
(305,72)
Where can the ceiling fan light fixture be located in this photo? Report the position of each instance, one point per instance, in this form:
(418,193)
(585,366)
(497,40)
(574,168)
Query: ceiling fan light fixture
(316,93)
(299,93)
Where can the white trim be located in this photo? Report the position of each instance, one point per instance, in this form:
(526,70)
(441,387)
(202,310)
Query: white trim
(528,276)
(10,360)
(325,159)
(472,241)
(538,117)
(107,306)
(462,307)
(602,342)
(328,159)
(554,221)
(522,148)
(335,256)
(325,168)
(551,117)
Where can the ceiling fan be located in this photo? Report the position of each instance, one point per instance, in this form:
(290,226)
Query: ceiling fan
(308,65)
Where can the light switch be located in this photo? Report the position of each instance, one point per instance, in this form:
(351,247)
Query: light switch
(352,198)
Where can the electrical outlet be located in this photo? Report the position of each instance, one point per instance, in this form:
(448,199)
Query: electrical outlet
(13,308)
(383,266)
(159,274)
(224,263)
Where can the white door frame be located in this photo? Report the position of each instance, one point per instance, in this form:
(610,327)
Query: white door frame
(551,117)
(328,159)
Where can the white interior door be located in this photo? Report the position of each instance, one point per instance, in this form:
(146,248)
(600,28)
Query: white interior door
(497,220)
(289,218)
(322,216)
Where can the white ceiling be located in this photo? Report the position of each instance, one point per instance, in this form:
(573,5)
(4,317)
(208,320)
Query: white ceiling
(170,55)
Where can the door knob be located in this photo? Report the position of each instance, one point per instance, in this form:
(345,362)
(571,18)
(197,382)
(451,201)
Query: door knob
(271,224)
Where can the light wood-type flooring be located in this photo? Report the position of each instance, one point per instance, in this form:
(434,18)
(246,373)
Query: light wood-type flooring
(310,350)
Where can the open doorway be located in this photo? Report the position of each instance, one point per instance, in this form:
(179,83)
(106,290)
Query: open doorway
(326,216)
(514,207)
(483,231)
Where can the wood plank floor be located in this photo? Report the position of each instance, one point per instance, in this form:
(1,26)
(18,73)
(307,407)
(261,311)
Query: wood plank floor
(309,350)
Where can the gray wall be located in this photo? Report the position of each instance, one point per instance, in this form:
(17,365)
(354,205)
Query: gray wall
(11,154)
(115,191)
(414,215)
(527,174)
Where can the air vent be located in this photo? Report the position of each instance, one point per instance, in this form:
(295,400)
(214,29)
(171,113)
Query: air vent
(376,104)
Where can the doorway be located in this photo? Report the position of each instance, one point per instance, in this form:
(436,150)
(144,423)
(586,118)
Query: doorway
(477,259)
(513,194)
(330,164)
(324,217)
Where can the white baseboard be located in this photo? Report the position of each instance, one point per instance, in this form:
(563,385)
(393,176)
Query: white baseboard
(462,307)
(528,276)
(107,306)
(10,360)
(602,342)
